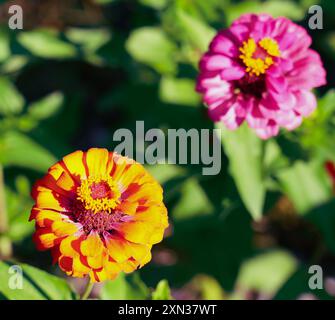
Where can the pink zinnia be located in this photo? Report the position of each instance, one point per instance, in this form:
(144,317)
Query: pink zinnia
(260,70)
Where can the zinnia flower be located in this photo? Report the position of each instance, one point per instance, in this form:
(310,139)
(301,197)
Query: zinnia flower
(260,70)
(99,213)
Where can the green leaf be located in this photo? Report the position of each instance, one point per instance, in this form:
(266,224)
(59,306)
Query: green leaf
(151,46)
(19,204)
(45,43)
(156,4)
(14,63)
(198,33)
(4,45)
(17,149)
(90,39)
(162,291)
(125,288)
(11,101)
(163,173)
(36,284)
(178,91)
(193,201)
(305,184)
(275,8)
(244,150)
(46,107)
(266,273)
(209,287)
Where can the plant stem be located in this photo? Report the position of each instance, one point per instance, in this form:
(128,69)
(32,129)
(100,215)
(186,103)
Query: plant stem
(88,290)
(5,244)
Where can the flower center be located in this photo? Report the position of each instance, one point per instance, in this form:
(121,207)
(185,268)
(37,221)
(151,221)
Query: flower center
(99,194)
(258,57)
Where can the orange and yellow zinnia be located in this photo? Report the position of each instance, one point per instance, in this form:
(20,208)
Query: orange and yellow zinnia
(99,213)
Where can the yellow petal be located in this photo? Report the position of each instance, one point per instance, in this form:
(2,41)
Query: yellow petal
(96,160)
(46,200)
(64,228)
(92,246)
(75,165)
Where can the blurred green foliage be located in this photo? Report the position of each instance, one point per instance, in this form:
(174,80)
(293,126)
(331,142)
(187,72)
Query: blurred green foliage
(68,85)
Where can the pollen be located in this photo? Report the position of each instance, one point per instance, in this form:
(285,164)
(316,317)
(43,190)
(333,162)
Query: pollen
(99,194)
(258,57)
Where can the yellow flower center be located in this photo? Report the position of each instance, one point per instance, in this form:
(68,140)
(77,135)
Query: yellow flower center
(99,194)
(258,57)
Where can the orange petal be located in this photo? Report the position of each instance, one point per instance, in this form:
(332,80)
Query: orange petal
(95,262)
(154,215)
(117,248)
(96,160)
(111,267)
(79,269)
(74,163)
(131,175)
(127,207)
(64,228)
(42,215)
(137,232)
(66,182)
(129,266)
(66,247)
(46,199)
(146,192)
(146,259)
(92,246)
(44,239)
(120,164)
(121,250)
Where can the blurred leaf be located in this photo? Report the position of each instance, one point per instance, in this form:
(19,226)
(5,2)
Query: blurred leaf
(22,185)
(305,184)
(244,150)
(193,201)
(11,101)
(19,204)
(46,43)
(317,131)
(17,149)
(14,63)
(196,32)
(178,91)
(37,284)
(209,287)
(18,209)
(125,287)
(165,172)
(151,46)
(162,291)
(267,272)
(275,8)
(89,39)
(46,107)
(156,4)
(4,44)
(273,157)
